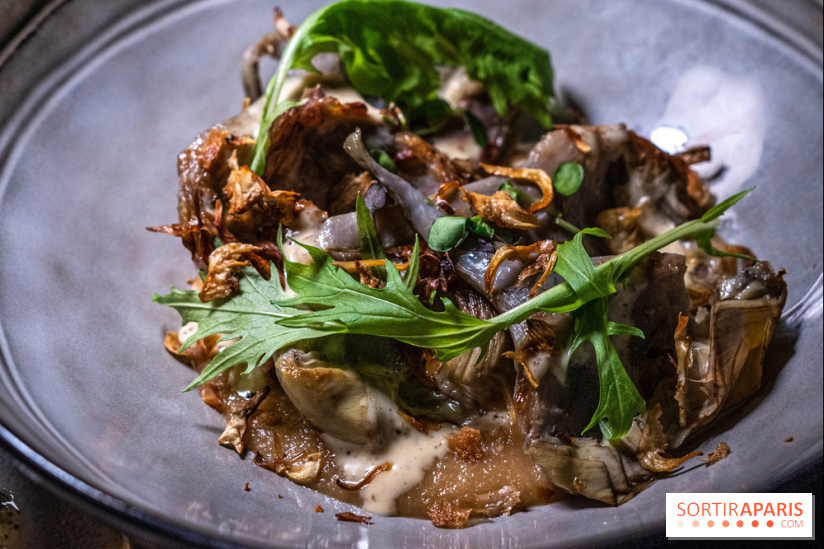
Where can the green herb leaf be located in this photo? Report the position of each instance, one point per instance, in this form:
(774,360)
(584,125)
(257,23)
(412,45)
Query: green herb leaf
(576,267)
(480,227)
(447,233)
(430,116)
(515,192)
(450,232)
(567,178)
(619,401)
(264,320)
(410,279)
(476,127)
(370,243)
(251,314)
(384,160)
(391,49)
(340,304)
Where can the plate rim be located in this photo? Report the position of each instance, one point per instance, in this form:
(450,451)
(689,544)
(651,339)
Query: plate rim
(115,508)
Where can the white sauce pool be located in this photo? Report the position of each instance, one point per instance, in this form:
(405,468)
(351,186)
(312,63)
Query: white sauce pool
(411,454)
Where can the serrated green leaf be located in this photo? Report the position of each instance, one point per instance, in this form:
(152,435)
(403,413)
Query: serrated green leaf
(619,401)
(410,279)
(718,210)
(575,265)
(338,303)
(250,315)
(615,328)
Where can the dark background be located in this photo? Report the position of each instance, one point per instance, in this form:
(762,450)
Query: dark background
(46,520)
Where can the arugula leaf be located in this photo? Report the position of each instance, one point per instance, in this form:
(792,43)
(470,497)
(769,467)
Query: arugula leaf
(391,49)
(251,314)
(576,267)
(563,298)
(567,178)
(619,401)
(449,232)
(410,279)
(714,213)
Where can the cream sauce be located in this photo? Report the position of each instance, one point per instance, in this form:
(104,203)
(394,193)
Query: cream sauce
(411,454)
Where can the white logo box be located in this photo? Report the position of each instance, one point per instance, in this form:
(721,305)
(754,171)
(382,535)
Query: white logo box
(740,515)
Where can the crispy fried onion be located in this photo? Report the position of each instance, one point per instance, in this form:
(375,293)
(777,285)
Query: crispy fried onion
(303,469)
(466,443)
(246,191)
(236,423)
(721,451)
(624,224)
(352,517)
(541,338)
(501,209)
(224,264)
(211,156)
(369,477)
(422,424)
(575,137)
(651,452)
(363,268)
(415,154)
(537,176)
(436,271)
(544,263)
(198,355)
(444,514)
(352,267)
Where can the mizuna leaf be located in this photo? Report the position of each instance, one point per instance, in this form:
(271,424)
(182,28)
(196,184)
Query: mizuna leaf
(619,401)
(250,316)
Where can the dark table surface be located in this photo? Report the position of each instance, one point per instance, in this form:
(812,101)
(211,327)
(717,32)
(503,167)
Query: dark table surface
(39,518)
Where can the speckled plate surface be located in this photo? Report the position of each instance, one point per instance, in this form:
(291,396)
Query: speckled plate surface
(96,103)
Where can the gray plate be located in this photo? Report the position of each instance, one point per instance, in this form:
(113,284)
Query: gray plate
(98,101)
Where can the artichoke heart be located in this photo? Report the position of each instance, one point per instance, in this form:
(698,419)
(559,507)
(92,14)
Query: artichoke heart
(333,399)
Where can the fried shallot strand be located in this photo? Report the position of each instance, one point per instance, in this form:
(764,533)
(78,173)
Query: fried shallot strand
(534,175)
(370,476)
(224,264)
(545,263)
(500,209)
(352,517)
(652,447)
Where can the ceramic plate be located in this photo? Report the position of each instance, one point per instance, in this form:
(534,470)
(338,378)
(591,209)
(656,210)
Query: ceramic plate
(98,100)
